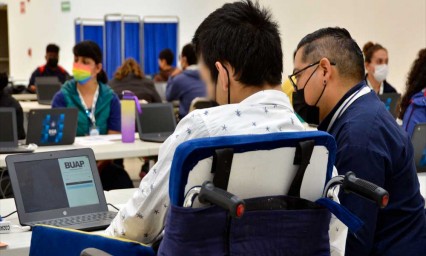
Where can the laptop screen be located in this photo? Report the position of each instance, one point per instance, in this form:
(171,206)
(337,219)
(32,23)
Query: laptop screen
(46,92)
(56,183)
(6,131)
(157,118)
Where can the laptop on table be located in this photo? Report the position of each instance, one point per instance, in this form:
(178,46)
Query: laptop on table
(59,188)
(9,133)
(419,144)
(156,122)
(52,126)
(391,101)
(47,87)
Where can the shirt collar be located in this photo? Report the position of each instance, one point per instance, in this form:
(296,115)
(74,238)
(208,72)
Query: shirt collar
(192,67)
(369,85)
(324,124)
(268,97)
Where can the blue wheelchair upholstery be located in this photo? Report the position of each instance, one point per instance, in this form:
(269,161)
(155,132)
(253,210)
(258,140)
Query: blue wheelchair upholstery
(48,240)
(189,153)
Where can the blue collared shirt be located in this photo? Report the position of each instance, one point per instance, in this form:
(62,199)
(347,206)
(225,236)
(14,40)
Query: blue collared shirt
(372,145)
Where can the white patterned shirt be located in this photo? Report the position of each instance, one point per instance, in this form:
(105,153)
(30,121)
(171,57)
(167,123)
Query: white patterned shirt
(143,217)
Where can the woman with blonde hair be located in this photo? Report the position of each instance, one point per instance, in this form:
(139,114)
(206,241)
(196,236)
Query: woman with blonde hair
(129,76)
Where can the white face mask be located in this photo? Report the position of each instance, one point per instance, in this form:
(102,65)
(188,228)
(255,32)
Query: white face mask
(381,72)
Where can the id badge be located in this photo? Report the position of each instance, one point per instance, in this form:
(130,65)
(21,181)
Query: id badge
(94,131)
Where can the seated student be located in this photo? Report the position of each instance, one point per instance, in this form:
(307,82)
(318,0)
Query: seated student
(98,105)
(413,103)
(329,70)
(7,101)
(186,85)
(244,79)
(51,68)
(130,77)
(376,64)
(165,61)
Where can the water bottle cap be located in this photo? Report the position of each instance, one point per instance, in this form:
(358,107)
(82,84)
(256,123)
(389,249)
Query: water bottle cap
(129,95)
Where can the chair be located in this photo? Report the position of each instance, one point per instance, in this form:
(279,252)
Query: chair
(253,166)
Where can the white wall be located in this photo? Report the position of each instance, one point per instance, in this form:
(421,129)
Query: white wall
(399,25)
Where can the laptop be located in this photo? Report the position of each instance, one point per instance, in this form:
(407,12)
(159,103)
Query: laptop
(55,126)
(47,87)
(419,143)
(59,188)
(157,122)
(391,101)
(9,133)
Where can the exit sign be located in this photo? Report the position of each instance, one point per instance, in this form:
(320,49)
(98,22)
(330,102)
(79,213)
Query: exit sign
(65,6)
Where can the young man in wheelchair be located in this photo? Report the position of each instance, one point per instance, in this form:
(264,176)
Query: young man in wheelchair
(241,62)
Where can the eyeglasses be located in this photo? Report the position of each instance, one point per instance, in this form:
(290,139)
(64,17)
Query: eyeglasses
(294,77)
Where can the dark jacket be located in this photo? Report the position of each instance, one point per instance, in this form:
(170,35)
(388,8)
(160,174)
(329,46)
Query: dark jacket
(7,101)
(387,87)
(107,110)
(415,113)
(164,75)
(371,144)
(143,88)
(184,88)
(45,70)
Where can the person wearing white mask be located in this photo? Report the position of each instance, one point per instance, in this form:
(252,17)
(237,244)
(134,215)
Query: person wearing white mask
(376,64)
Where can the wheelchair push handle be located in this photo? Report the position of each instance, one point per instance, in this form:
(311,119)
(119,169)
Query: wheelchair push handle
(211,194)
(365,189)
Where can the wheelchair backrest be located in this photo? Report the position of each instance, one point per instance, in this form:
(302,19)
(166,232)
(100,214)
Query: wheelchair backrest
(262,165)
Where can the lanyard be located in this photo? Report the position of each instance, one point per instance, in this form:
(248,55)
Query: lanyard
(90,113)
(351,99)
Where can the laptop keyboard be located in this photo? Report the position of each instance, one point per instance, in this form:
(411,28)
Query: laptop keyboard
(78,219)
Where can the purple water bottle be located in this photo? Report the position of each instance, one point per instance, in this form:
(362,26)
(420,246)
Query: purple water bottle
(129,104)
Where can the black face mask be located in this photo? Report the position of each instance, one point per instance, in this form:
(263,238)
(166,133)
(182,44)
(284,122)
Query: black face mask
(52,62)
(309,113)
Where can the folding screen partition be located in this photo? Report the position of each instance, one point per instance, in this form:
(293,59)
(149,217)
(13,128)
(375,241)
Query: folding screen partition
(159,33)
(122,40)
(89,29)
(125,36)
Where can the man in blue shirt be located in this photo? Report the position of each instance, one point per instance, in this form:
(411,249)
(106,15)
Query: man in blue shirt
(329,70)
(51,68)
(187,85)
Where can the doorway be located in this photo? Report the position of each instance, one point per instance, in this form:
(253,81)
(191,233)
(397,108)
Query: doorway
(4,39)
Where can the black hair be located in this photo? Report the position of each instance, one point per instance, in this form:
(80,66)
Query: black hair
(415,81)
(52,48)
(188,51)
(338,46)
(91,50)
(167,55)
(245,36)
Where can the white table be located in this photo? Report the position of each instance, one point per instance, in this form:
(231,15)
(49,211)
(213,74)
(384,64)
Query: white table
(19,243)
(113,149)
(25,97)
(28,105)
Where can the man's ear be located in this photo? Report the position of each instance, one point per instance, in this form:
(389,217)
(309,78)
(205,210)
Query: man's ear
(223,76)
(325,66)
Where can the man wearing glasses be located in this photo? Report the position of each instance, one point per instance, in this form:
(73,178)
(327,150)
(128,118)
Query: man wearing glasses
(329,70)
